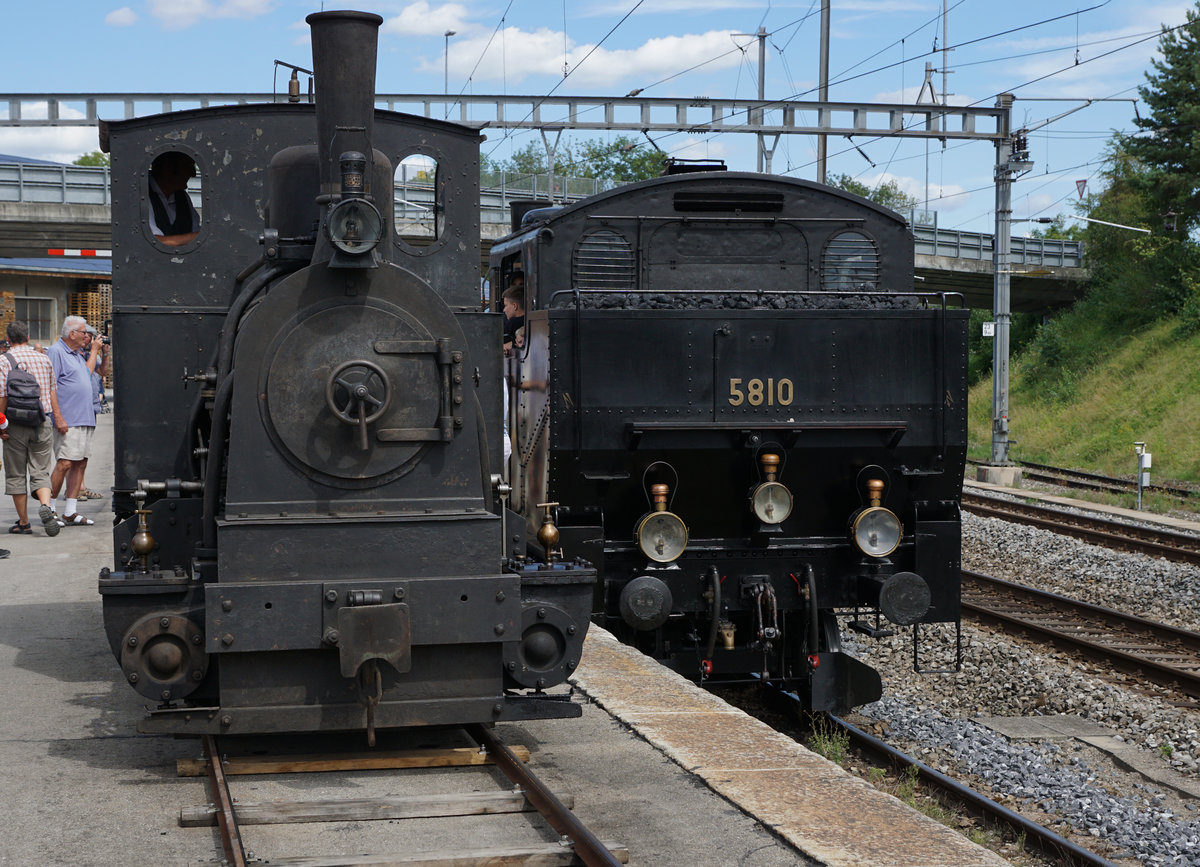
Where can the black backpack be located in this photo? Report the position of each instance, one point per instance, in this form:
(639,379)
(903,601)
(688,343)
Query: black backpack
(24,396)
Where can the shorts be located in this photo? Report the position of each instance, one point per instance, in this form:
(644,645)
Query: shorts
(28,458)
(74,445)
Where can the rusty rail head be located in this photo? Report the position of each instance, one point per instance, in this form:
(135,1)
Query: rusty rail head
(231,839)
(588,848)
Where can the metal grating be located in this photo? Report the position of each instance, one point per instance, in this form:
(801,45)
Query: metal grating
(603,260)
(850,263)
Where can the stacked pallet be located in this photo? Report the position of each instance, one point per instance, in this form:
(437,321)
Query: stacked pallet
(94,303)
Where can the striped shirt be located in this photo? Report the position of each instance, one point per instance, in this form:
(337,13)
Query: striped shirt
(37,363)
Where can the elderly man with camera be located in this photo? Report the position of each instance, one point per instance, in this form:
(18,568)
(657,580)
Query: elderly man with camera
(75,416)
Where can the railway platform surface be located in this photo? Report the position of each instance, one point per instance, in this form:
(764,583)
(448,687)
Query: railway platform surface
(654,763)
(1116,511)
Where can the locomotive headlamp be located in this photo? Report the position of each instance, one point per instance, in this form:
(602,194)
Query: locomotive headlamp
(771,500)
(661,535)
(354,225)
(875,530)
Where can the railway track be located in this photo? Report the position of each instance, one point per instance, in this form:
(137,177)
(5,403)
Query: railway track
(951,792)
(1081,480)
(1036,836)
(1154,651)
(576,845)
(1177,547)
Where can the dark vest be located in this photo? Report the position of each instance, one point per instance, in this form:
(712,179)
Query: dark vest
(183,214)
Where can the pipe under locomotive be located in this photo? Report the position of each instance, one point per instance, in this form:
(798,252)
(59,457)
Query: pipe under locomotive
(752,423)
(308,533)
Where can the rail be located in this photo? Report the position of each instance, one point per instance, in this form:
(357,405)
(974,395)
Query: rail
(1047,842)
(1150,651)
(1168,544)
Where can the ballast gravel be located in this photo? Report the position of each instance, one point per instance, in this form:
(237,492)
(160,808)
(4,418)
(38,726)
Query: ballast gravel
(1127,817)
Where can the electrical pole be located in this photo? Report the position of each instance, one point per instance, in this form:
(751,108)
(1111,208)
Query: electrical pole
(762,90)
(824,88)
(446,87)
(1010,160)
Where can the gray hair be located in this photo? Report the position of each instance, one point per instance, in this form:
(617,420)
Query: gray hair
(18,332)
(70,324)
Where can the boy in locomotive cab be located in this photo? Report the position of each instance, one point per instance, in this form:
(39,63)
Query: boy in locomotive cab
(173,218)
(513,305)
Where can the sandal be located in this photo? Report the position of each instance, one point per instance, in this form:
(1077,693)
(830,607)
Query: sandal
(49,520)
(89,495)
(21,529)
(77,520)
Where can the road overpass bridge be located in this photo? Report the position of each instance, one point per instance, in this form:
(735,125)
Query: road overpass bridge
(46,206)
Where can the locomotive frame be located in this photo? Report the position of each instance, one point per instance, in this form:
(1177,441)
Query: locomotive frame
(308,536)
(736,368)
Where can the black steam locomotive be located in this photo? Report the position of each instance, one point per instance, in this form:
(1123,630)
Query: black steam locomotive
(750,421)
(308,535)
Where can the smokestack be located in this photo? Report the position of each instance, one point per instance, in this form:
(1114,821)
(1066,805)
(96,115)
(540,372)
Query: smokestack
(344,47)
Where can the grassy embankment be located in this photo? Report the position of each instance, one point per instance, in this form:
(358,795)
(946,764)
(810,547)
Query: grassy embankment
(1082,398)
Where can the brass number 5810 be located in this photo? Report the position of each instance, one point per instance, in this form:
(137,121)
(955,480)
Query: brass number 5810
(773,392)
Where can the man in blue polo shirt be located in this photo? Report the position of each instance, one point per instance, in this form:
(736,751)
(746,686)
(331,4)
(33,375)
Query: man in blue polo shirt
(75,420)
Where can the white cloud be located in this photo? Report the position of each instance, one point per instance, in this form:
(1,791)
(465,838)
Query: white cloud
(181,14)
(421,19)
(908,96)
(915,187)
(61,144)
(122,17)
(515,55)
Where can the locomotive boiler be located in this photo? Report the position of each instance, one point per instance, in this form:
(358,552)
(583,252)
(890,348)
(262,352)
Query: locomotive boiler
(752,423)
(308,533)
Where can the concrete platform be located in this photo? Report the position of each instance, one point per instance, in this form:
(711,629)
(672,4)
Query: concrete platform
(654,763)
(829,815)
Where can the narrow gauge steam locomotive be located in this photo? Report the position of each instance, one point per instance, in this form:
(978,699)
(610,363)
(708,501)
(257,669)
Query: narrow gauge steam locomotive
(307,534)
(749,419)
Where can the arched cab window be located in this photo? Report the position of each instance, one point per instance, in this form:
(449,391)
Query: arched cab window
(172,193)
(850,264)
(603,260)
(420,213)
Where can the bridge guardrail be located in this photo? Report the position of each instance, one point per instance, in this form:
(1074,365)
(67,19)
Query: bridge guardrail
(89,185)
(956,244)
(45,183)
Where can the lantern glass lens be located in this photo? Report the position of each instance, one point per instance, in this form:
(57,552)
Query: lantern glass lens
(772,502)
(662,536)
(876,531)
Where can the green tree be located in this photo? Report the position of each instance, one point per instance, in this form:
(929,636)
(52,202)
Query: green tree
(889,195)
(621,161)
(95,158)
(1059,229)
(1167,144)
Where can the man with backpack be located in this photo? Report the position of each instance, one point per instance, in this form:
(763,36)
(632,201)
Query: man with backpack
(29,399)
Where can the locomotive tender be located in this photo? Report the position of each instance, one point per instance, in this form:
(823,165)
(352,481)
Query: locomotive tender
(750,420)
(308,536)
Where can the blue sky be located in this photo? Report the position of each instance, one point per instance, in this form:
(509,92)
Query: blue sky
(1050,55)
